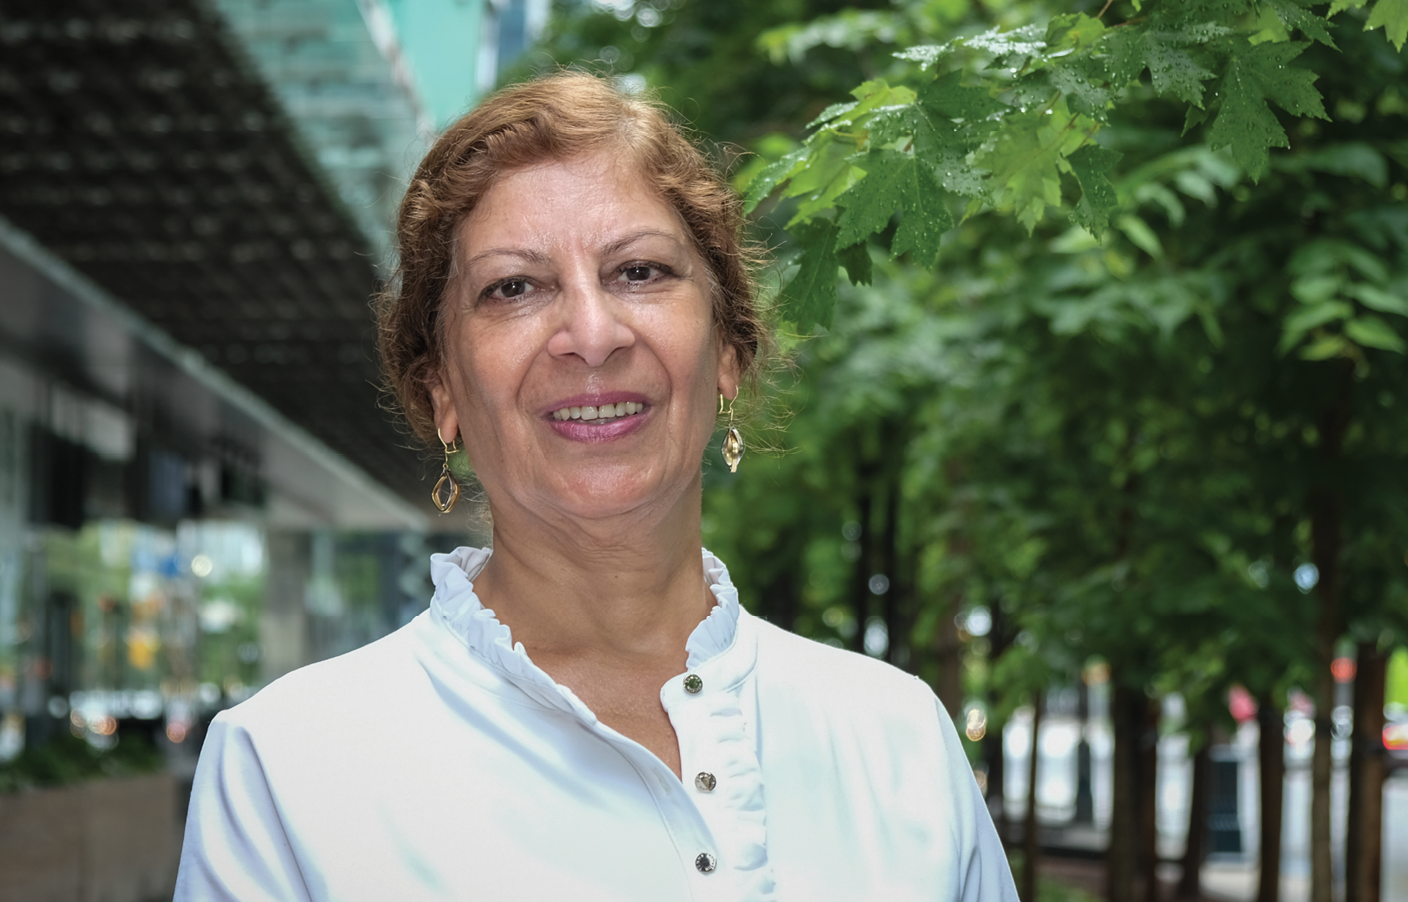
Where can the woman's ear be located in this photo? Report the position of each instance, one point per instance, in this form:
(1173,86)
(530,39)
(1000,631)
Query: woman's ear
(442,405)
(729,375)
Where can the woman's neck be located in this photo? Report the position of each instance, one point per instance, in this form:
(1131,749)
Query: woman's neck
(574,595)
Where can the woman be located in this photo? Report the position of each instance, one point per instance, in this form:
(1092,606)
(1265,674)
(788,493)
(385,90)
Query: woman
(585,713)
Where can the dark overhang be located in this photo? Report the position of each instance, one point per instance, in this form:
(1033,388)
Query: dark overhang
(138,146)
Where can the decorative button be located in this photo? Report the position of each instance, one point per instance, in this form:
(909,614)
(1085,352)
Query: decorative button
(705,862)
(705,782)
(692,685)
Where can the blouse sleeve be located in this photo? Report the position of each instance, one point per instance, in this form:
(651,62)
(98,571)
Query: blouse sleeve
(235,847)
(984,875)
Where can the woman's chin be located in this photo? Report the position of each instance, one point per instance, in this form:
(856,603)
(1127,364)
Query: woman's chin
(604,497)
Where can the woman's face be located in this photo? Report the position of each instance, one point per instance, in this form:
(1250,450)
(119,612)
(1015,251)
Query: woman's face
(582,367)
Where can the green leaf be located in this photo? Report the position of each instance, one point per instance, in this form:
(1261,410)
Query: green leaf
(925,55)
(1342,5)
(1085,83)
(1073,31)
(1353,159)
(1378,299)
(1315,289)
(1325,348)
(1139,233)
(835,111)
(1289,87)
(876,93)
(926,219)
(1212,328)
(1014,48)
(810,297)
(1245,122)
(1393,16)
(1024,163)
(1372,332)
(1175,72)
(765,181)
(825,199)
(1294,14)
(896,181)
(1091,165)
(1247,125)
(857,263)
(1306,318)
(947,97)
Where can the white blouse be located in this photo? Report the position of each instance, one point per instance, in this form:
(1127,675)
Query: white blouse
(441,763)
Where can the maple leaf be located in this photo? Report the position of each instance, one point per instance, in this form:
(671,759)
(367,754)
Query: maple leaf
(810,298)
(896,181)
(1245,122)
(946,96)
(1175,71)
(1024,164)
(1293,14)
(856,260)
(1393,16)
(771,176)
(1091,165)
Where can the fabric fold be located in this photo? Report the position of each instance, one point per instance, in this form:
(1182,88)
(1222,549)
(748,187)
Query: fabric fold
(743,835)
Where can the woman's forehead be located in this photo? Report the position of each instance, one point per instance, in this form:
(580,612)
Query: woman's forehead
(592,201)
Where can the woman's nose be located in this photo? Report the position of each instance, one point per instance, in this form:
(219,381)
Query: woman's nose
(591,325)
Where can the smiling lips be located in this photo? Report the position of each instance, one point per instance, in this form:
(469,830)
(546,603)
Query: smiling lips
(598,414)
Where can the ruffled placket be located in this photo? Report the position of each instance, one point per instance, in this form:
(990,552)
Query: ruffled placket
(718,747)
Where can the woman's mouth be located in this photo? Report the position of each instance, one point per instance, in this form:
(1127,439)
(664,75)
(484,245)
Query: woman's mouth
(598,413)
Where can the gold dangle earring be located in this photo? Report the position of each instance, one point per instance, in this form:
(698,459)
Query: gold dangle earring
(733,442)
(447,490)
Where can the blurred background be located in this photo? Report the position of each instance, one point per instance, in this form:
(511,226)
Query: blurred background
(1152,563)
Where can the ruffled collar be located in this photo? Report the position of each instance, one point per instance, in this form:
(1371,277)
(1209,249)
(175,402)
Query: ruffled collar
(456,605)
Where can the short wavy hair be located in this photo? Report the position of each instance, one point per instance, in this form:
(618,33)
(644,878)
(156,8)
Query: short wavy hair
(554,118)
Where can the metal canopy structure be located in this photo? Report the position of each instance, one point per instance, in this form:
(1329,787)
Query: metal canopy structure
(139,146)
(338,69)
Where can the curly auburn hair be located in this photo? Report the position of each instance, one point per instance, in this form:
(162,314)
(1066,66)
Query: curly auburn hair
(558,117)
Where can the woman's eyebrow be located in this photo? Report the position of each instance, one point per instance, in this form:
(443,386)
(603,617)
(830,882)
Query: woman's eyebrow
(627,240)
(542,259)
(534,257)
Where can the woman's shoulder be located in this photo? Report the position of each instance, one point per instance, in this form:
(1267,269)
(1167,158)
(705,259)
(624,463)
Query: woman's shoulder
(837,680)
(355,681)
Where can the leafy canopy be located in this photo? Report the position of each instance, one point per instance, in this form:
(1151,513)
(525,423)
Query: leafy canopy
(1009,121)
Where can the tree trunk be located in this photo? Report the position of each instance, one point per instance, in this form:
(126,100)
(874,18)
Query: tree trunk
(1031,843)
(993,750)
(1149,798)
(1195,848)
(1271,754)
(1126,711)
(993,754)
(891,604)
(1325,540)
(860,574)
(1364,840)
(1085,795)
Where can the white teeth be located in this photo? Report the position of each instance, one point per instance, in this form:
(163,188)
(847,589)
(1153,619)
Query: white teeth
(604,412)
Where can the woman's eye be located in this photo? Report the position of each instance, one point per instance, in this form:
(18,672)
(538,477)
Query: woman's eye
(508,289)
(641,272)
